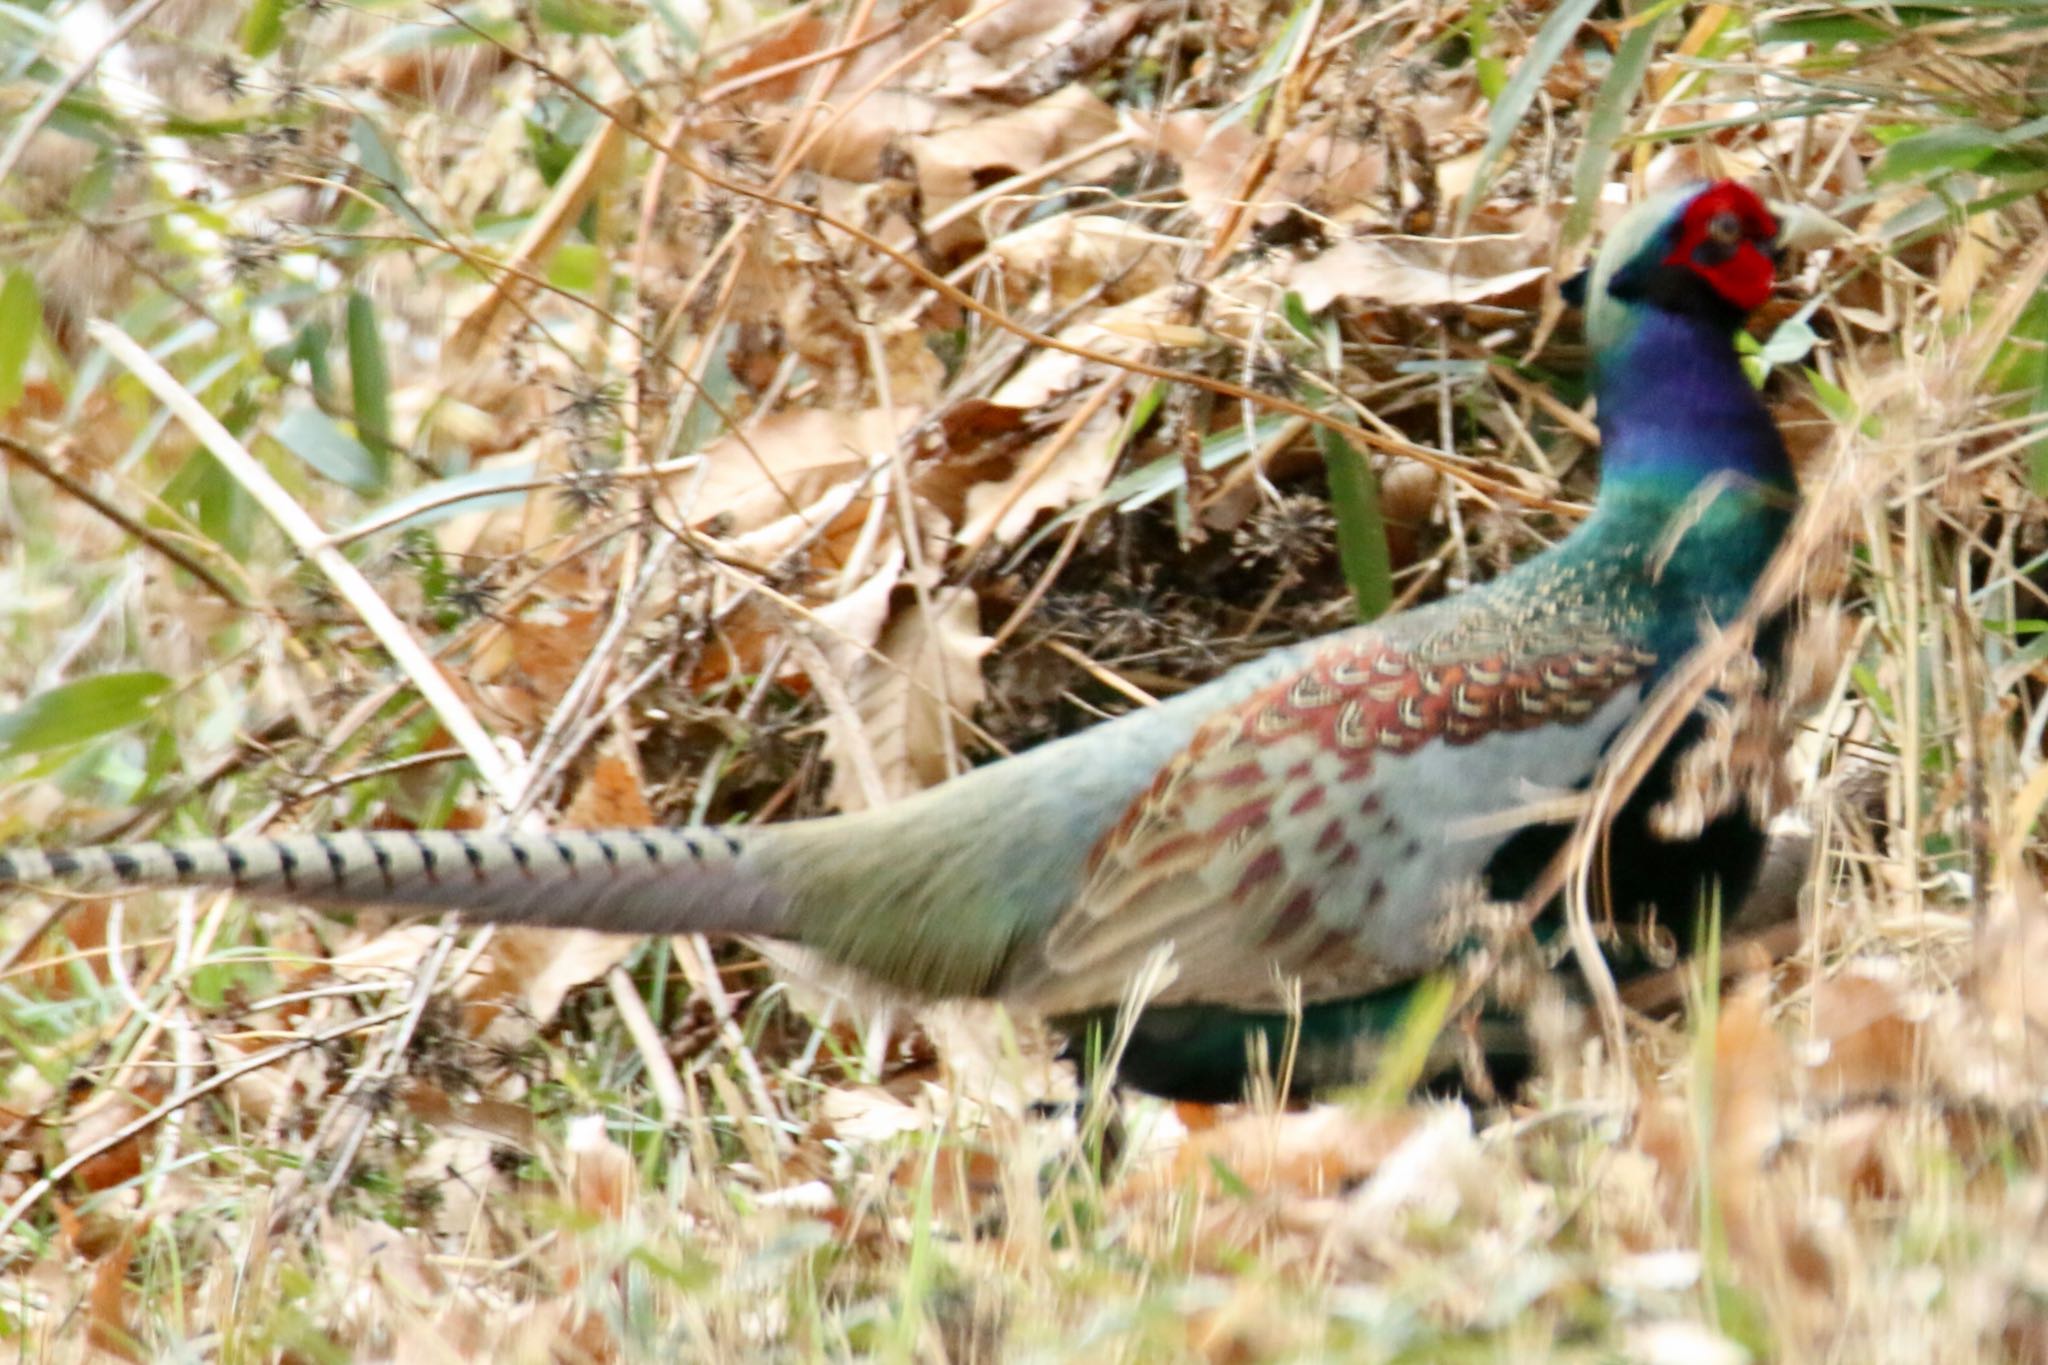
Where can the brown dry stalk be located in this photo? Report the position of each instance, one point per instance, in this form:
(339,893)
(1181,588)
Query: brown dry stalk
(42,464)
(790,66)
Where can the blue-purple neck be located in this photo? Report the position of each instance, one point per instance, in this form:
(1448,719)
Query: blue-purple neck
(1694,480)
(1676,409)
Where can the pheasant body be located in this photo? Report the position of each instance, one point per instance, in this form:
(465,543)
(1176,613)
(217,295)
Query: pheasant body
(1307,819)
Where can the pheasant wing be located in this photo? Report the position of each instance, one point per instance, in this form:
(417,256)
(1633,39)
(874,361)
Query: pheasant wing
(1322,828)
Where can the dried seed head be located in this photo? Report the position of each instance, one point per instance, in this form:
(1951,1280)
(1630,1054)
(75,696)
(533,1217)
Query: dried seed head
(226,77)
(1286,530)
(592,406)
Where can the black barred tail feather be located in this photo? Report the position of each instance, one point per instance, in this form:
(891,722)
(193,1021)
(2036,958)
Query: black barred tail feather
(645,881)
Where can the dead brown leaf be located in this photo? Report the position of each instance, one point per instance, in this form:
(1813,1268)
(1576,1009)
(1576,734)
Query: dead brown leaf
(785,463)
(1068,467)
(603,1182)
(996,143)
(2011,979)
(802,35)
(390,956)
(610,797)
(76,946)
(451,77)
(1873,1045)
(1132,328)
(99,1120)
(1008,41)
(535,659)
(1417,272)
(852,148)
(1312,1152)
(1749,1077)
(1339,178)
(1074,254)
(273,1096)
(500,1120)
(537,968)
(110,1305)
(929,668)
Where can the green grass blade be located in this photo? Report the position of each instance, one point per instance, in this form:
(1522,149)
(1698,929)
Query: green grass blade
(1361,527)
(1404,1060)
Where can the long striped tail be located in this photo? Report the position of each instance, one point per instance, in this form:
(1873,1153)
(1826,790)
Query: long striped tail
(640,881)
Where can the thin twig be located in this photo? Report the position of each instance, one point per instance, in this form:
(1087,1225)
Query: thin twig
(148,535)
(142,1123)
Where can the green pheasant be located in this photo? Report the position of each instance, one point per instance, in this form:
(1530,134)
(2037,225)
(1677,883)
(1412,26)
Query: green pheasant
(1307,819)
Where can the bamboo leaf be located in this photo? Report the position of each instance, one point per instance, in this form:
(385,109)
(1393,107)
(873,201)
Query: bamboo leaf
(78,711)
(1513,105)
(263,27)
(21,322)
(369,383)
(311,435)
(1603,126)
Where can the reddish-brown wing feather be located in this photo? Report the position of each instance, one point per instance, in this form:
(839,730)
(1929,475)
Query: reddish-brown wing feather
(1294,821)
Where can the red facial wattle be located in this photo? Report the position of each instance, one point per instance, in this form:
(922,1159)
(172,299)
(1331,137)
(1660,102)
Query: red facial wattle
(1739,270)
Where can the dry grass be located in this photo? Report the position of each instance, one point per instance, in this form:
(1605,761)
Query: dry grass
(817,359)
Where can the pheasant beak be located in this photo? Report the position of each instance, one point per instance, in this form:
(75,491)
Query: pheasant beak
(1802,228)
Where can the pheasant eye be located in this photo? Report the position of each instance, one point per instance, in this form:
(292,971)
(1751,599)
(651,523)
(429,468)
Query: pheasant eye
(1724,229)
